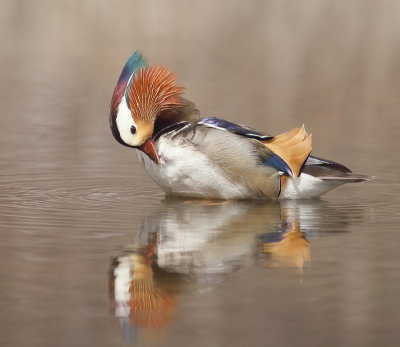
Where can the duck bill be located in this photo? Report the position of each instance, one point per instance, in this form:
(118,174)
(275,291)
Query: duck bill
(149,148)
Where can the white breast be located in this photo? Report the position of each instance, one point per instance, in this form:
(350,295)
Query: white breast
(186,171)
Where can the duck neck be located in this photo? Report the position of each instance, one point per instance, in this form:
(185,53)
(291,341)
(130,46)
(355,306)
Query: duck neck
(187,112)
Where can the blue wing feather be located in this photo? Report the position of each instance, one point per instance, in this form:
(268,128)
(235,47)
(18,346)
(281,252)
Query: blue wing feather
(278,163)
(234,128)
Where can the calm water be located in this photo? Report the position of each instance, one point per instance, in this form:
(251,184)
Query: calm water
(79,216)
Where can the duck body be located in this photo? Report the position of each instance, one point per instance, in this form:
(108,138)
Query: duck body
(201,161)
(206,157)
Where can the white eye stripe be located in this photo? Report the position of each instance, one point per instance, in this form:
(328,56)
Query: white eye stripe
(127,86)
(124,122)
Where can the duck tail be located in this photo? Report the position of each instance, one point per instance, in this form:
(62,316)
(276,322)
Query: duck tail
(347,178)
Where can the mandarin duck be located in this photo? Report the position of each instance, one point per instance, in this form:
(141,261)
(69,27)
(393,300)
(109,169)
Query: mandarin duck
(190,155)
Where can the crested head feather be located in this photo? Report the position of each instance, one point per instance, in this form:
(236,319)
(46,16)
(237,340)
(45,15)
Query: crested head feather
(152,90)
(134,63)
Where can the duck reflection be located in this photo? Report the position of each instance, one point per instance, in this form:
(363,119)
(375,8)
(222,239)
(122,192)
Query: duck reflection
(186,245)
(290,249)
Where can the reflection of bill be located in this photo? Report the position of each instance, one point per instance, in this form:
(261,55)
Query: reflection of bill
(186,245)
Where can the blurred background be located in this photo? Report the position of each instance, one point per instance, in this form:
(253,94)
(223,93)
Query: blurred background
(72,199)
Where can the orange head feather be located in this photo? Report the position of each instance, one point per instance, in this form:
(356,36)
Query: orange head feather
(151,91)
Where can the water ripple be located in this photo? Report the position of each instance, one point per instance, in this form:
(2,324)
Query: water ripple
(74,194)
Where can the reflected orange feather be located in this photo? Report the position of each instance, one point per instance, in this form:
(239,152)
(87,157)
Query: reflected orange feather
(151,306)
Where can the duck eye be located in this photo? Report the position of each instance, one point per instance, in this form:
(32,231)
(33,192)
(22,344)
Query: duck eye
(133,129)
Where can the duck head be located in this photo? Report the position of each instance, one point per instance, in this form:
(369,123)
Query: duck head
(142,93)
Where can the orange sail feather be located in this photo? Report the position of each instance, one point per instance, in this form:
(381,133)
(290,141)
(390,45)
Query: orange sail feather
(293,147)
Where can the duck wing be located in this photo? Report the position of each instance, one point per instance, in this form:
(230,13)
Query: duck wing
(290,150)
